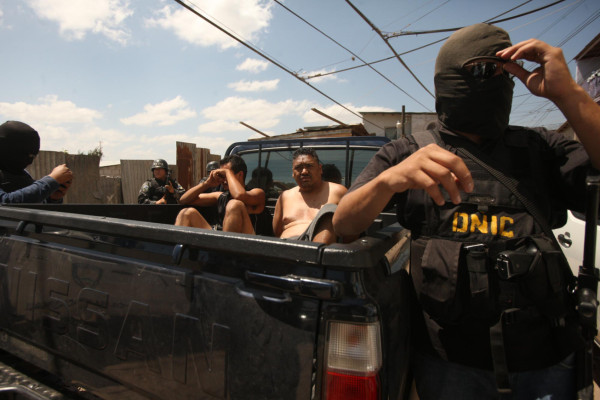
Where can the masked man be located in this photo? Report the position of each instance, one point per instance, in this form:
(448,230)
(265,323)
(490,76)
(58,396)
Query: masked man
(487,329)
(19,144)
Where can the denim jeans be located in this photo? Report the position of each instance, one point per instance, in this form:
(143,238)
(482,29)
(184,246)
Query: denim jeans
(437,379)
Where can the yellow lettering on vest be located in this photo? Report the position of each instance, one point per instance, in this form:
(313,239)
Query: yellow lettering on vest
(481,226)
(494,225)
(504,229)
(464,217)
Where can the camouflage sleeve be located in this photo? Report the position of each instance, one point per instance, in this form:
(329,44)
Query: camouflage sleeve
(179,190)
(144,195)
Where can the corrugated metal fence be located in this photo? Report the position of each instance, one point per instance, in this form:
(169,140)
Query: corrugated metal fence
(124,180)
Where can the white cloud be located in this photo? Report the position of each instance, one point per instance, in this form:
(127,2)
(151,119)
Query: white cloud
(77,18)
(246,18)
(216,144)
(318,78)
(50,110)
(261,114)
(162,114)
(252,65)
(254,86)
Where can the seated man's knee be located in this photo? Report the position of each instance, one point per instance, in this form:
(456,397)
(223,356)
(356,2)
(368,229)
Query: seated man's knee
(190,217)
(187,212)
(234,205)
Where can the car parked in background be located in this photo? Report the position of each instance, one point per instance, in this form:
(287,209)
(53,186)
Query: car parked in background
(572,238)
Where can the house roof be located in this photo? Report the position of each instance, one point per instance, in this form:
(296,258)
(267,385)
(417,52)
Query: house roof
(591,50)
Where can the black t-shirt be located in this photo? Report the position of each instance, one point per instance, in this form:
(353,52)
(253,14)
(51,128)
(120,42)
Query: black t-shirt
(262,223)
(555,186)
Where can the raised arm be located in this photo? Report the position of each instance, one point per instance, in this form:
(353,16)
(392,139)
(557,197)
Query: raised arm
(553,81)
(196,195)
(253,199)
(425,169)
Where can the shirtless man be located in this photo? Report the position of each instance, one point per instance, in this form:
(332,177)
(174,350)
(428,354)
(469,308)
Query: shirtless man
(305,212)
(234,204)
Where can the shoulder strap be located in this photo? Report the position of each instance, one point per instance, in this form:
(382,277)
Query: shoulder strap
(423,138)
(511,184)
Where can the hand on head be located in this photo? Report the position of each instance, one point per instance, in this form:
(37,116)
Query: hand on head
(552,79)
(217,177)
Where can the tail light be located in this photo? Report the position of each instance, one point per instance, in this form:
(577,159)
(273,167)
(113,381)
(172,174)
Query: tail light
(353,362)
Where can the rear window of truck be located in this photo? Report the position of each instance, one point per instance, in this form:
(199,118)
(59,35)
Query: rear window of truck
(279,163)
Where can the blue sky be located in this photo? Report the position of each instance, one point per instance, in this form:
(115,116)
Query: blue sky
(139,75)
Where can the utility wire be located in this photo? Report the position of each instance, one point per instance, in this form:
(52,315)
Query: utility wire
(372,62)
(349,51)
(581,27)
(512,9)
(248,46)
(321,74)
(390,46)
(497,21)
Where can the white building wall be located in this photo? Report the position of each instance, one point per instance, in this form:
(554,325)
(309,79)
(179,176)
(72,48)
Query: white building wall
(380,123)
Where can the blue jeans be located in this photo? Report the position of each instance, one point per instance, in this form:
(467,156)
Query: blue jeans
(437,379)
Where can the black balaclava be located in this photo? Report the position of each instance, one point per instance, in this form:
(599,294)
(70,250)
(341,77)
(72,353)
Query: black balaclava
(19,144)
(467,104)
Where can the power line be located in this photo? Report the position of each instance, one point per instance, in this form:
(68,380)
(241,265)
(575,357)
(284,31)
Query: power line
(512,9)
(406,52)
(373,62)
(262,54)
(497,21)
(390,46)
(349,51)
(581,27)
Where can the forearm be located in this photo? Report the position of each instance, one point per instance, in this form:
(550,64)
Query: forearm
(584,116)
(34,193)
(237,189)
(192,195)
(357,209)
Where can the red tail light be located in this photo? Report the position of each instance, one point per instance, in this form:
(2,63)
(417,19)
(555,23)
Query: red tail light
(353,362)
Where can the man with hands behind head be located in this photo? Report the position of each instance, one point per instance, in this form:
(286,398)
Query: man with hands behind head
(484,333)
(234,204)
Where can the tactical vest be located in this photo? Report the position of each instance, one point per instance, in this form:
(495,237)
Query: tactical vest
(158,190)
(482,264)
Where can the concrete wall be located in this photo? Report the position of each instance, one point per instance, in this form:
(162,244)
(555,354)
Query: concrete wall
(384,123)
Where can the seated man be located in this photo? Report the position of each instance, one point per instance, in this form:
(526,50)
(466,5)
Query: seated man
(234,204)
(305,212)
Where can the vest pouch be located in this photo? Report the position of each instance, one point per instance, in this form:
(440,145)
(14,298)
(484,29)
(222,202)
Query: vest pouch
(545,284)
(439,278)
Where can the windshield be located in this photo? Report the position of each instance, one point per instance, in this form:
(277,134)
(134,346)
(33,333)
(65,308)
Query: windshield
(336,168)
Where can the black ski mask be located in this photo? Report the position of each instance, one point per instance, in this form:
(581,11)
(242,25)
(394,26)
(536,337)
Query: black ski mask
(19,144)
(467,104)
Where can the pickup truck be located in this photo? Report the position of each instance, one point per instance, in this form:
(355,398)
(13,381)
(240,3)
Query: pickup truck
(114,301)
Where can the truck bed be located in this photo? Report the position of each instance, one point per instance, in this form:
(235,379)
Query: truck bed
(113,301)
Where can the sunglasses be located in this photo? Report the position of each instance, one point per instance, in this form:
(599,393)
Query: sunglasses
(487,67)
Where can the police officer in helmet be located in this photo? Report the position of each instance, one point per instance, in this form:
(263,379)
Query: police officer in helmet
(161,188)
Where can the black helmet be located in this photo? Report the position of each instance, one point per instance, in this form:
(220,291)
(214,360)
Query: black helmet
(160,163)
(212,165)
